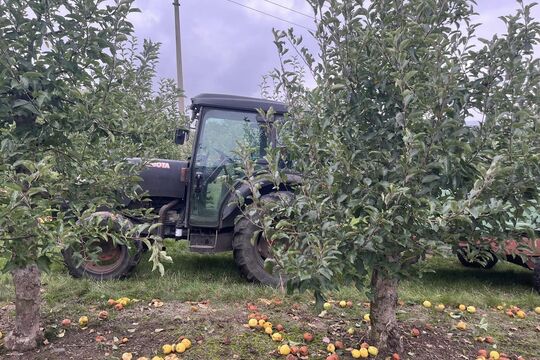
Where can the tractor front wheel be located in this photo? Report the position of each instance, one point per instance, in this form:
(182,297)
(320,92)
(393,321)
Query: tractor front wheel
(114,261)
(111,259)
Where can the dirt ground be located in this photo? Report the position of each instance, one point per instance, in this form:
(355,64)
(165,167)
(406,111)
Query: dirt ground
(220,332)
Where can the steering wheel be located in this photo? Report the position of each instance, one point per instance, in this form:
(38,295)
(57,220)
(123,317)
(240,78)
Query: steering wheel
(223,155)
(224,159)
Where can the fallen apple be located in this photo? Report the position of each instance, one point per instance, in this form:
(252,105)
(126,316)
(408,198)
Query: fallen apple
(100,338)
(180,348)
(537,310)
(355,353)
(471,309)
(461,325)
(66,322)
(339,344)
(427,304)
(277,337)
(252,323)
(462,307)
(342,304)
(415,332)
(482,352)
(327,306)
(103,315)
(521,314)
(280,327)
(440,307)
(284,349)
(83,321)
(494,355)
(373,351)
(167,349)
(331,348)
(364,353)
(186,342)
(308,337)
(127,356)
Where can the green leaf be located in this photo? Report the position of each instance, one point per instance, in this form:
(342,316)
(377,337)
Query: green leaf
(430,178)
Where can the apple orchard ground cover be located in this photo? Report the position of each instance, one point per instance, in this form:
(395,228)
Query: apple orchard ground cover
(218,329)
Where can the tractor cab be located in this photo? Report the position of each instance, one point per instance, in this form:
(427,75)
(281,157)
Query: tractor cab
(225,124)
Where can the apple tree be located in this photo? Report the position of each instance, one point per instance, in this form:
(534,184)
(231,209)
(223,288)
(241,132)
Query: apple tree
(76,98)
(391,167)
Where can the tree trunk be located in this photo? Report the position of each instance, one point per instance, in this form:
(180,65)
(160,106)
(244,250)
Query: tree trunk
(384,327)
(26,334)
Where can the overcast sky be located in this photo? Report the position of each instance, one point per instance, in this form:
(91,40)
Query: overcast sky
(227,48)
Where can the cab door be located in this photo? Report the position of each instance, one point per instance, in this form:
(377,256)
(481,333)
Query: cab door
(216,160)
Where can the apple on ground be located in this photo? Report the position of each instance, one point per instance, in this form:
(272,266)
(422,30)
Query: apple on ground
(284,349)
(103,315)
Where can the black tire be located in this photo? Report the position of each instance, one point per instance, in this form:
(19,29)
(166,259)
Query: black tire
(490,263)
(115,261)
(122,267)
(536,276)
(247,255)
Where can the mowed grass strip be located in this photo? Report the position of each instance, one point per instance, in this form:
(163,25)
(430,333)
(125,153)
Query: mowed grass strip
(195,277)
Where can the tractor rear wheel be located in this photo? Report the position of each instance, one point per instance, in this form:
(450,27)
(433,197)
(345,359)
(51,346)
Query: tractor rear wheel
(250,254)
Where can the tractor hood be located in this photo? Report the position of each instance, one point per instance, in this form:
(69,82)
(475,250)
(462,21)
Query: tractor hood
(164,178)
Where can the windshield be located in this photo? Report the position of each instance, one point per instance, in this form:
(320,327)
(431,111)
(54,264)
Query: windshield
(223,132)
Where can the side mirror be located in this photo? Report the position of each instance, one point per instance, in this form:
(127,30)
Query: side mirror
(180,136)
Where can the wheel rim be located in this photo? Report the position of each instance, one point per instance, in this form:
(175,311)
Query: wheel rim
(108,260)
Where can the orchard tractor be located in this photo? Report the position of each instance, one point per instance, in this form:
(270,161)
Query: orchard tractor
(194,199)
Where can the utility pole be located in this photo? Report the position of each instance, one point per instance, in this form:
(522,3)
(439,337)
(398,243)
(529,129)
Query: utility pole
(179,73)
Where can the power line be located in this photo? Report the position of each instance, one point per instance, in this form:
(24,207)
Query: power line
(290,9)
(267,14)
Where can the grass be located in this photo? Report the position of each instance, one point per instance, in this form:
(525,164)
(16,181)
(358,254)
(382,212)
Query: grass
(194,277)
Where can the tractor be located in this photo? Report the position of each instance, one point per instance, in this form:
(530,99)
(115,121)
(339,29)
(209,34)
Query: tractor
(193,200)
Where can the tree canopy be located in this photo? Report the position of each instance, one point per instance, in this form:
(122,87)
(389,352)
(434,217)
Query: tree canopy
(391,168)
